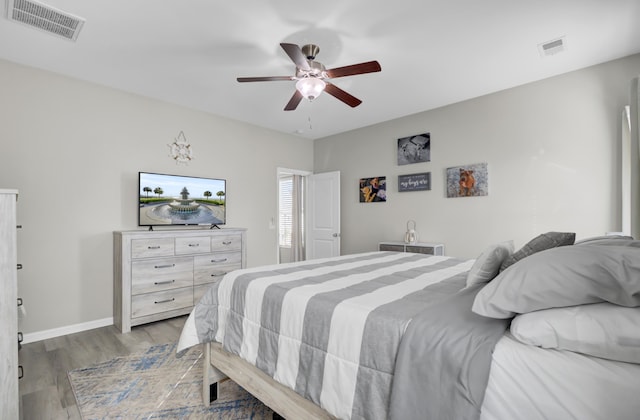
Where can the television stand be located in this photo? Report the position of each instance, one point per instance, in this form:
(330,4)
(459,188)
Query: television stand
(162,274)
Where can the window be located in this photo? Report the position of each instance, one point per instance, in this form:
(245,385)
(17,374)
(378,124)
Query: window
(285,205)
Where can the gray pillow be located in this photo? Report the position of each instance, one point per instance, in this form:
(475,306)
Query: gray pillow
(617,240)
(540,243)
(487,265)
(564,276)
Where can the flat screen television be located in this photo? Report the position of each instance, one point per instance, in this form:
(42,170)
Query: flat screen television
(165,200)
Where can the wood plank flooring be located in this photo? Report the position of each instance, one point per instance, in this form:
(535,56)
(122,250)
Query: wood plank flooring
(45,391)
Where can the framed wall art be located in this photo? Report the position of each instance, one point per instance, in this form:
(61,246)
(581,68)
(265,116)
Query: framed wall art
(373,189)
(414,149)
(468,180)
(414,182)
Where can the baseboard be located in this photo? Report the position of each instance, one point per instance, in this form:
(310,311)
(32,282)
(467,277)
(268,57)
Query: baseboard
(69,329)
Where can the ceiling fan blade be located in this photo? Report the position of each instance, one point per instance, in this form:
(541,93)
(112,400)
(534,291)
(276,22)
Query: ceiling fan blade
(263,79)
(340,94)
(368,67)
(294,101)
(295,54)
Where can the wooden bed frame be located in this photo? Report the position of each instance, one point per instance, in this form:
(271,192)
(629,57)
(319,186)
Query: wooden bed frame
(219,364)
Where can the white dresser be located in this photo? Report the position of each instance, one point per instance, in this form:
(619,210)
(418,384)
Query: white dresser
(161,274)
(9,397)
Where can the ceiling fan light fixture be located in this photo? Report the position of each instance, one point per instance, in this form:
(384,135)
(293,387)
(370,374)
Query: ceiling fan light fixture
(310,87)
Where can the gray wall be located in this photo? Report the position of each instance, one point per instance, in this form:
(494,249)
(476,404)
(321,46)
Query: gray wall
(552,149)
(74,149)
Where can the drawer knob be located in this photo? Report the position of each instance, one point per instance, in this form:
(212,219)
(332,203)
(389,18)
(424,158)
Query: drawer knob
(165,301)
(154,247)
(194,245)
(219,260)
(164,266)
(226,242)
(218,274)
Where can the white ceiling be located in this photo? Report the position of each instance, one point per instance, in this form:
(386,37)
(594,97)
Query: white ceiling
(432,52)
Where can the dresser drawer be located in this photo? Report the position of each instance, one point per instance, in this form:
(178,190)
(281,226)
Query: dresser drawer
(168,300)
(217,260)
(193,245)
(391,247)
(422,249)
(160,274)
(211,268)
(153,247)
(226,243)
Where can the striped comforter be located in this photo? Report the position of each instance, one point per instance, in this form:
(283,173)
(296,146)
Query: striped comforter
(330,329)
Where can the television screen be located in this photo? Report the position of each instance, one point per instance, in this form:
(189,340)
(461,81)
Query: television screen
(180,200)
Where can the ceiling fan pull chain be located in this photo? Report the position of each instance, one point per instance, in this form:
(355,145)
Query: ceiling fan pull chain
(310,126)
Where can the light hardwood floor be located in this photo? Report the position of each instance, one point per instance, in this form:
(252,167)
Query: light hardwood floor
(45,392)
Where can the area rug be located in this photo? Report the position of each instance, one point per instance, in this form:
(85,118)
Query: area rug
(158,385)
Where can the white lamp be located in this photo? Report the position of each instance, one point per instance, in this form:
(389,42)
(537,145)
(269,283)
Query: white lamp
(310,87)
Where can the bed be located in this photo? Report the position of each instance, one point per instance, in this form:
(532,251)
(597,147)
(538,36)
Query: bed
(549,331)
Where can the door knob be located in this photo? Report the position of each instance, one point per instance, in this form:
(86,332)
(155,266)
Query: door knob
(335,235)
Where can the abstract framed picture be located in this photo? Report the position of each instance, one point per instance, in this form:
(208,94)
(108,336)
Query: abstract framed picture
(414,149)
(468,180)
(414,182)
(373,190)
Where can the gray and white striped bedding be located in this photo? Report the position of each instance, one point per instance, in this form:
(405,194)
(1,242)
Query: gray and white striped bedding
(330,329)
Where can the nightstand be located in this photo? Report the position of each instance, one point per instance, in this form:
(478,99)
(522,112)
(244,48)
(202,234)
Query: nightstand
(418,247)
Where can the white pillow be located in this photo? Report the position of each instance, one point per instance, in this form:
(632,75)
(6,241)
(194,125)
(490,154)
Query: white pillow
(488,263)
(601,329)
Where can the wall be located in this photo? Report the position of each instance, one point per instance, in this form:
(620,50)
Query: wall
(634,151)
(552,149)
(74,149)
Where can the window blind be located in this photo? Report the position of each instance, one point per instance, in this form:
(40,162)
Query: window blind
(285,220)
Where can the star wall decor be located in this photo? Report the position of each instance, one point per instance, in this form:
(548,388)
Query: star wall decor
(180,150)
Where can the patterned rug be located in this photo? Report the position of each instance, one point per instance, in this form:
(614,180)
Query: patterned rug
(157,385)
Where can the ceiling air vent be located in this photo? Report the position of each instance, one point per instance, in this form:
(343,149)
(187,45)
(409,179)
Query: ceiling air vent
(45,18)
(552,47)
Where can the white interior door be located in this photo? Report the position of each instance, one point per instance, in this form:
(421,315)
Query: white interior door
(323,215)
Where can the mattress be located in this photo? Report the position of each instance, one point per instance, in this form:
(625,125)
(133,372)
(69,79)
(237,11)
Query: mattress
(533,383)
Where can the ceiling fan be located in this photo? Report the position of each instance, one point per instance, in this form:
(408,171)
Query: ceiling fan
(313,78)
